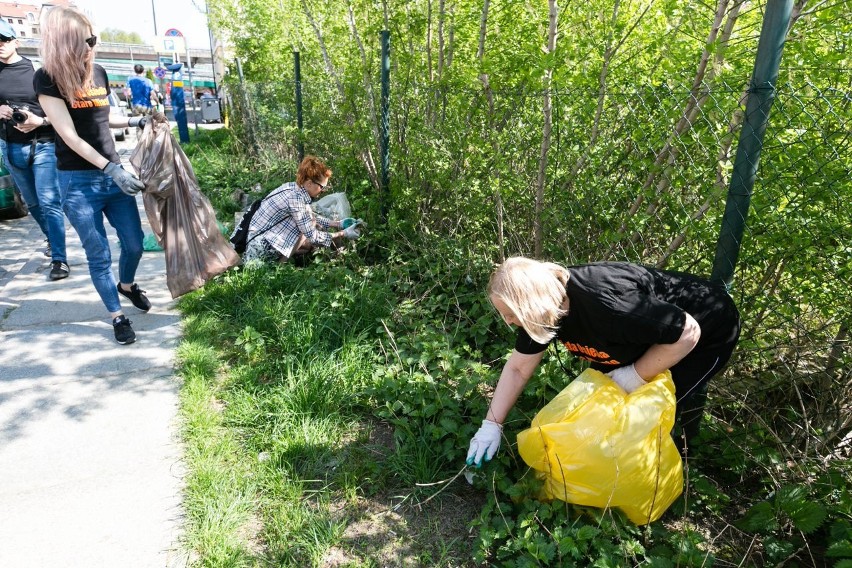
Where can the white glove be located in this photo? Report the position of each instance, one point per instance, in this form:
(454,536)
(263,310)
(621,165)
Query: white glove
(351,232)
(485,443)
(627,378)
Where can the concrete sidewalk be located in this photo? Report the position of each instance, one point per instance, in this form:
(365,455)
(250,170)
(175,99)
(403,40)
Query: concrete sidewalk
(90,462)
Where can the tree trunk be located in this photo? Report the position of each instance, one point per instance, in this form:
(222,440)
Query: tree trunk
(368,86)
(440,39)
(429,40)
(366,155)
(329,66)
(719,187)
(452,36)
(665,182)
(609,53)
(838,346)
(548,125)
(698,95)
(495,172)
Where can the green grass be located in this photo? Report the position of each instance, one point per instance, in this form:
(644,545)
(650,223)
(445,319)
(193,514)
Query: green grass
(279,369)
(323,408)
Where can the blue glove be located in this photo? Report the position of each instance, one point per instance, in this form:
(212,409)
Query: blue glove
(348,222)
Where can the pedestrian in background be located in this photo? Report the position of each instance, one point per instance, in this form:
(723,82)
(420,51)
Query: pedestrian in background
(73,91)
(27,148)
(141,89)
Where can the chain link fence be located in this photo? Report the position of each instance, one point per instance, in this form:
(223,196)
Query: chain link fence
(636,172)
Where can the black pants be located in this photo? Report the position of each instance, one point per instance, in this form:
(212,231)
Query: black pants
(692,375)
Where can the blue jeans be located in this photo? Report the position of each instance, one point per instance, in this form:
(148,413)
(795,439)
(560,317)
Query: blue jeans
(39,188)
(88,196)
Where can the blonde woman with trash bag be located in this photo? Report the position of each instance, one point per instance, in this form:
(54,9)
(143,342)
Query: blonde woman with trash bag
(73,91)
(285,227)
(630,321)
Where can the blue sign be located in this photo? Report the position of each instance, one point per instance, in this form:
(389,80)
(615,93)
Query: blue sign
(160,72)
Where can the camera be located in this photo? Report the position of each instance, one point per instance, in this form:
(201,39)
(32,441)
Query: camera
(19,113)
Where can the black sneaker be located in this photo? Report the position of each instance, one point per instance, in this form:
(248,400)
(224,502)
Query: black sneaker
(47,252)
(137,296)
(59,270)
(124,334)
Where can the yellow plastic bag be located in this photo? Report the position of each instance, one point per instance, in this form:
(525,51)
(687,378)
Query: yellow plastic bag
(594,445)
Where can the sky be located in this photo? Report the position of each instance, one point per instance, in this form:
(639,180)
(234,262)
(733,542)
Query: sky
(182,15)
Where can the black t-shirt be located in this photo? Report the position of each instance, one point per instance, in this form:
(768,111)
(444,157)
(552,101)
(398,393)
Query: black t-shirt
(90,116)
(16,88)
(617,310)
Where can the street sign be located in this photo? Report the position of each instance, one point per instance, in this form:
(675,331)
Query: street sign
(170,44)
(160,72)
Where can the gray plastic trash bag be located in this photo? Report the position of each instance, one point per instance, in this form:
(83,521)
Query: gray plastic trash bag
(180,215)
(333,206)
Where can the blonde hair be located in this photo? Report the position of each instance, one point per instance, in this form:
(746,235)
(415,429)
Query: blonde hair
(67,58)
(534,291)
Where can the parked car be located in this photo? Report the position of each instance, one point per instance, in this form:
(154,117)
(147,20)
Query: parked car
(12,205)
(118,108)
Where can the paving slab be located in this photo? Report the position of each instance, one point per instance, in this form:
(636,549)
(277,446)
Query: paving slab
(90,460)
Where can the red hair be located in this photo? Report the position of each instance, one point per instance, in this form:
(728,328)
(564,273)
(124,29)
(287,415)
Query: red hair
(311,169)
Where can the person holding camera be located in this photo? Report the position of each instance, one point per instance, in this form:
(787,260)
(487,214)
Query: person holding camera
(285,227)
(73,91)
(27,147)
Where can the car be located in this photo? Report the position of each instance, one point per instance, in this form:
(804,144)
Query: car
(118,108)
(12,205)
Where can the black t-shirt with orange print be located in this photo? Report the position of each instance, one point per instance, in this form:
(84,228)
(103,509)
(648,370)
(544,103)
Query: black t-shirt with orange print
(90,115)
(618,310)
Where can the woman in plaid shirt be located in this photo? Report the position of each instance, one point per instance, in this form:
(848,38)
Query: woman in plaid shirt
(285,226)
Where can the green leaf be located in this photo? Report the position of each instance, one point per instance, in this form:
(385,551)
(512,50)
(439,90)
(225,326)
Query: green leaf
(840,549)
(808,517)
(760,518)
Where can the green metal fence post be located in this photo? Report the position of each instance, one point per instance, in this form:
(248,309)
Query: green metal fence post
(385,126)
(300,144)
(761,95)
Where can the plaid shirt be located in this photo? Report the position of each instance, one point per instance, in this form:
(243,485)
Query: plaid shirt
(287,214)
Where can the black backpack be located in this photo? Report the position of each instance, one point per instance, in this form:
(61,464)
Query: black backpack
(240,238)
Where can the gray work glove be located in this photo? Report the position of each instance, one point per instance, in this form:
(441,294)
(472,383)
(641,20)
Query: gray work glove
(127,182)
(139,121)
(627,378)
(351,232)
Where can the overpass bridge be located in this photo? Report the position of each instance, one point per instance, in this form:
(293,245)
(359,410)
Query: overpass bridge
(118,60)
